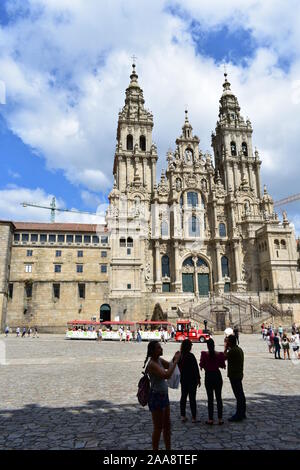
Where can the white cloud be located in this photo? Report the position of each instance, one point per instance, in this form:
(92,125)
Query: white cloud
(11,207)
(67,71)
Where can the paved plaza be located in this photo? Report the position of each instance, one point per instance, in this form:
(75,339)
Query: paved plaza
(62,394)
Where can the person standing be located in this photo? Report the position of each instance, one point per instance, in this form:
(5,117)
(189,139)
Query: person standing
(24,332)
(285,343)
(211,362)
(138,336)
(235,357)
(100,334)
(277,346)
(280,331)
(172,332)
(295,341)
(159,371)
(189,379)
(236,333)
(18,332)
(6,331)
(35,332)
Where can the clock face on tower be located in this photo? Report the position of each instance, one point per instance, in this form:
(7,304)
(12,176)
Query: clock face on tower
(189,156)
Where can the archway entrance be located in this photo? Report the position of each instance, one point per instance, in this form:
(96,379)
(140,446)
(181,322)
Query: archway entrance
(196,276)
(105,312)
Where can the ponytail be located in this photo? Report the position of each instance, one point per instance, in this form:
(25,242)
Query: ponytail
(150,351)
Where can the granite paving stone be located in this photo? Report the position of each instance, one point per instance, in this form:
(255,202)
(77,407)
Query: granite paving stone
(61,394)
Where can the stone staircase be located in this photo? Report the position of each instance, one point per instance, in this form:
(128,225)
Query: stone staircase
(225,311)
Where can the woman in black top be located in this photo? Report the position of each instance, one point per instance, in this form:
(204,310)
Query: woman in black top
(189,379)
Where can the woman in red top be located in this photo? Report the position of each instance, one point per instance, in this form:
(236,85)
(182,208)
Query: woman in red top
(211,361)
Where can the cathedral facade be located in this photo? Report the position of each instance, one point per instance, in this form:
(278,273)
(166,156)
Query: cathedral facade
(204,241)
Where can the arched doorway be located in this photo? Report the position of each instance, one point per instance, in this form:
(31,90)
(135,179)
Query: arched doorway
(196,276)
(105,312)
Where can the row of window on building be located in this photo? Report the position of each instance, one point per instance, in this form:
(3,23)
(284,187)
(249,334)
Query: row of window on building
(58,253)
(58,268)
(129,142)
(234,149)
(55,287)
(61,238)
(277,245)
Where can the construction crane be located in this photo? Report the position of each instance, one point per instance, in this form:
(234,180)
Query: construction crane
(54,209)
(287,200)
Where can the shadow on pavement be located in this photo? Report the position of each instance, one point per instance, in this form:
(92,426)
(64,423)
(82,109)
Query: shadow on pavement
(272,424)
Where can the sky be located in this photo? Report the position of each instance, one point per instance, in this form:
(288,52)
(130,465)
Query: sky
(65,65)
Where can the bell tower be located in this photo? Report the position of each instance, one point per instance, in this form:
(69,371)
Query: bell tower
(136,155)
(232,145)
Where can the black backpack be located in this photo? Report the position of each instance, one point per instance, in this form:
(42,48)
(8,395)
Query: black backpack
(143,389)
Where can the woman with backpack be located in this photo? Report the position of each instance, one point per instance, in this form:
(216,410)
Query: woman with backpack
(211,361)
(159,371)
(189,379)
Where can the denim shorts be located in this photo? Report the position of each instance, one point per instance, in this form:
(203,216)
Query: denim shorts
(158,400)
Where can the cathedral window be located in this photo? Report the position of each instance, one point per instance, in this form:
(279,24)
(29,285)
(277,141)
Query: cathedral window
(129,242)
(56,291)
(192,199)
(194,230)
(81,291)
(225,266)
(143,142)
(166,287)
(164,229)
(244,149)
(122,242)
(276,244)
(181,201)
(70,238)
(283,245)
(10,290)
(129,143)
(222,230)
(28,290)
(233,148)
(165,266)
(266,285)
(188,262)
(201,262)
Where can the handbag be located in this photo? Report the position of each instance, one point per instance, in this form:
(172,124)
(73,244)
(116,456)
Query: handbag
(174,380)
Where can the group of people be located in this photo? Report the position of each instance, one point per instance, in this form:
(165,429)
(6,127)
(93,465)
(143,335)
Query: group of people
(278,339)
(31,332)
(211,361)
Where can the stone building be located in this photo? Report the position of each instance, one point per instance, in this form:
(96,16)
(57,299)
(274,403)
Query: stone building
(203,242)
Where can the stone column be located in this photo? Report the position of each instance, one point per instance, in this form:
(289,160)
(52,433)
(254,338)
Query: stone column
(250,169)
(177,282)
(218,260)
(258,179)
(158,284)
(196,287)
(237,263)
(153,173)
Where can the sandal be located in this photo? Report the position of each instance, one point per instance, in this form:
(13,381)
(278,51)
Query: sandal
(194,420)
(209,422)
(183,419)
(221,422)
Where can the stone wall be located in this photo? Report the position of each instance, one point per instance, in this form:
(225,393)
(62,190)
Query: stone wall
(5,254)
